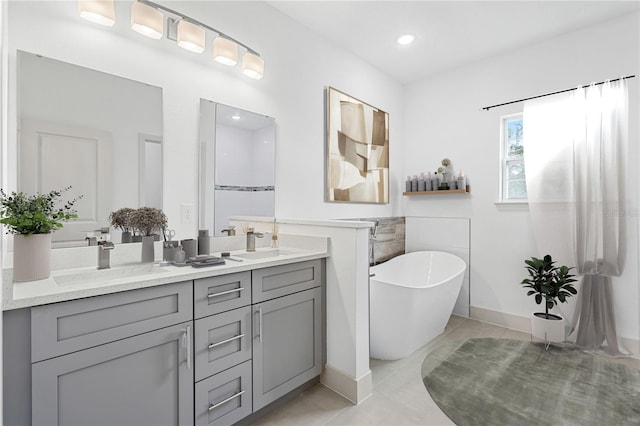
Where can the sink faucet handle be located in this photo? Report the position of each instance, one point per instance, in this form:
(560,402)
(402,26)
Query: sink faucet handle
(106,245)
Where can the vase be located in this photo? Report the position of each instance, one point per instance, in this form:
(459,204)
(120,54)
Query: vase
(148,249)
(126,237)
(31,257)
(136,239)
(547,330)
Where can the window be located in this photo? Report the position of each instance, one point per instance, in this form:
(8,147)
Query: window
(513,186)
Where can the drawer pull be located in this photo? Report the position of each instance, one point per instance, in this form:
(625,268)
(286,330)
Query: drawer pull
(212,407)
(222,293)
(231,339)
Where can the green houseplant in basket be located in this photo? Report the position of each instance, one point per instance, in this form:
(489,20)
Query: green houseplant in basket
(549,284)
(32,219)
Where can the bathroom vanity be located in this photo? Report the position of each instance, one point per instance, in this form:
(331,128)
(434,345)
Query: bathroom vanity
(166,346)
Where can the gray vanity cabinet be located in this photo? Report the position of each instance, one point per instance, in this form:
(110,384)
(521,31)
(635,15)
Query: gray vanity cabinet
(141,380)
(119,359)
(287,338)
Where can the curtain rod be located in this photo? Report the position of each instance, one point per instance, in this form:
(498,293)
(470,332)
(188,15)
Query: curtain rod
(487,108)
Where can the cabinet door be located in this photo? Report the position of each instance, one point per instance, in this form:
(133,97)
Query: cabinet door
(287,341)
(141,380)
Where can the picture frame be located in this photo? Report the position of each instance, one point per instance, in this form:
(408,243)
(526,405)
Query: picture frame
(357,150)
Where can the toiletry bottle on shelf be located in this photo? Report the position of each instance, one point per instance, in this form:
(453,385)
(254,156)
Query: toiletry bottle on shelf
(421,186)
(435,182)
(428,186)
(408,184)
(414,183)
(461,181)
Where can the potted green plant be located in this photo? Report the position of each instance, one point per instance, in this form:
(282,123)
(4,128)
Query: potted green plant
(549,284)
(121,219)
(32,219)
(148,221)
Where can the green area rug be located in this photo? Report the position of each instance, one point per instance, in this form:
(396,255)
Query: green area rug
(511,382)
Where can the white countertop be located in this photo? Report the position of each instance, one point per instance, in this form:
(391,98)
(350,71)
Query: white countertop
(76,283)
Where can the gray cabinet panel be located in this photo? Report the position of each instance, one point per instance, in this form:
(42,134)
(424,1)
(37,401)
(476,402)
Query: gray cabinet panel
(225,398)
(222,341)
(142,380)
(278,281)
(222,293)
(287,345)
(66,327)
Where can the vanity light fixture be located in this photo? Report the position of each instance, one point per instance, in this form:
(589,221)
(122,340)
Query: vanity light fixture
(190,36)
(98,11)
(147,18)
(225,51)
(252,65)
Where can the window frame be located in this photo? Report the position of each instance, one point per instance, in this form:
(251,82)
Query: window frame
(506,160)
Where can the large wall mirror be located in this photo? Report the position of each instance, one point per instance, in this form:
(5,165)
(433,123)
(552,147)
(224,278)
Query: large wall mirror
(237,165)
(98,133)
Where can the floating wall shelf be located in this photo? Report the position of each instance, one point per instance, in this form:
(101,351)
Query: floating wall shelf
(443,192)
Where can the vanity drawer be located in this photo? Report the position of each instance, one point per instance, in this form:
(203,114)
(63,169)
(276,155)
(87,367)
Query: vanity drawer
(222,341)
(225,398)
(222,293)
(277,281)
(66,327)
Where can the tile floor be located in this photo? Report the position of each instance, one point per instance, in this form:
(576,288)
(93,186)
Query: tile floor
(399,396)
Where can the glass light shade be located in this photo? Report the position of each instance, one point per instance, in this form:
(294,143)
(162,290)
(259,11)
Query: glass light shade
(98,11)
(252,66)
(190,36)
(225,51)
(147,20)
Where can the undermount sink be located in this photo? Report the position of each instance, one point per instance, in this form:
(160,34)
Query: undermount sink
(105,275)
(263,254)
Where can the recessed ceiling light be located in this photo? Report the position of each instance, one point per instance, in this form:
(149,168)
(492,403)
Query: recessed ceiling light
(406,39)
(235,117)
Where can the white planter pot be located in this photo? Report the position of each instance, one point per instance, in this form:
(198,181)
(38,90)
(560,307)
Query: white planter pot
(31,257)
(547,330)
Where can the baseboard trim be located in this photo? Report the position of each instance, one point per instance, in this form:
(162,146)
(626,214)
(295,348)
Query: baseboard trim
(514,322)
(519,323)
(355,390)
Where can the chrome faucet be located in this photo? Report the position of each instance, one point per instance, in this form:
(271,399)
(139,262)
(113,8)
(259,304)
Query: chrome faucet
(231,230)
(251,239)
(104,251)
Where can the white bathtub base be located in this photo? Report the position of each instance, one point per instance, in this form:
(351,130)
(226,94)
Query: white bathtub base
(412,298)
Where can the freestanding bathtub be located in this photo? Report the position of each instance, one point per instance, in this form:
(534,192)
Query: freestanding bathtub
(411,299)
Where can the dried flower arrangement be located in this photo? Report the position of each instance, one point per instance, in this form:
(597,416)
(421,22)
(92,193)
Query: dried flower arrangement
(148,220)
(121,219)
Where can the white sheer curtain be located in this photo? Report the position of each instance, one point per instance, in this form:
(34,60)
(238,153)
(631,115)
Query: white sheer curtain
(575,151)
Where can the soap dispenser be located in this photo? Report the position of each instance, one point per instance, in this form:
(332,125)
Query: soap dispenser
(179,256)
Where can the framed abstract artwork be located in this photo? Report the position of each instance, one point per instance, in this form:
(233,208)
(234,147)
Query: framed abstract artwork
(357,162)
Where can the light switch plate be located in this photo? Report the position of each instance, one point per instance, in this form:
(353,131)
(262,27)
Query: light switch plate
(186,214)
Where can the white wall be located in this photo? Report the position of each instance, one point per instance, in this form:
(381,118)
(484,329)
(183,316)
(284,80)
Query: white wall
(299,66)
(443,119)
